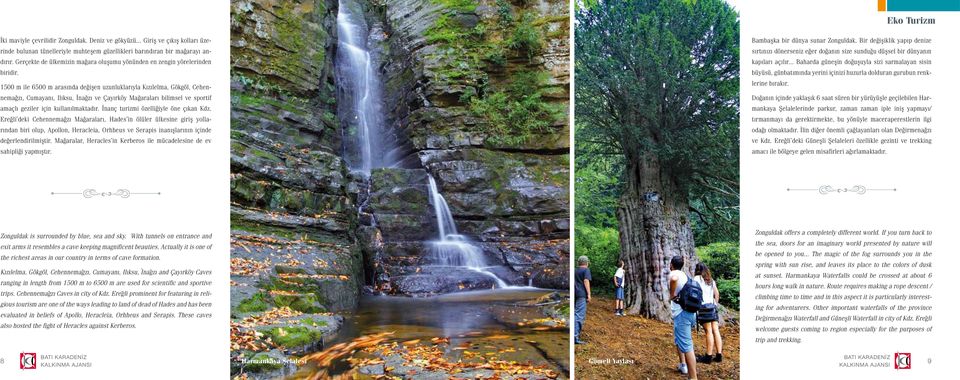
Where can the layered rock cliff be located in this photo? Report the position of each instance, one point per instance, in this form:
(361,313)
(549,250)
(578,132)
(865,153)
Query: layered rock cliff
(475,95)
(478,92)
(294,251)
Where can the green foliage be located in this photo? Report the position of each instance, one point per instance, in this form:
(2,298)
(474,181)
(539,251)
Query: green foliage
(504,13)
(526,36)
(517,112)
(458,5)
(602,246)
(729,293)
(596,191)
(514,109)
(722,258)
(446,30)
(659,80)
(496,55)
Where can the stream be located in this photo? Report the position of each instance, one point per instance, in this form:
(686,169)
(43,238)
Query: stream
(502,331)
(487,326)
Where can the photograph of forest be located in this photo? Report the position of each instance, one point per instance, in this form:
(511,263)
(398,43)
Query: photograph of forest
(656,176)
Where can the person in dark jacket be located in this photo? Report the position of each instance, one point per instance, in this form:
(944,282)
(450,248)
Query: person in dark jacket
(581,295)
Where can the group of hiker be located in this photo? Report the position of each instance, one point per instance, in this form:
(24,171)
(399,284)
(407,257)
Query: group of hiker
(693,301)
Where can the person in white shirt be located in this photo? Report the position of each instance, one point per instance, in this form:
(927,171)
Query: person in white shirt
(707,316)
(683,320)
(618,282)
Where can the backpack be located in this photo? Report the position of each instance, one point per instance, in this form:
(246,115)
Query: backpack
(690,297)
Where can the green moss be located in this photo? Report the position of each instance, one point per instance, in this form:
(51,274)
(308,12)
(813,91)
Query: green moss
(292,104)
(263,362)
(303,285)
(445,30)
(550,174)
(304,303)
(497,184)
(264,154)
(293,336)
(239,224)
(257,303)
(458,5)
(313,322)
(551,19)
(289,34)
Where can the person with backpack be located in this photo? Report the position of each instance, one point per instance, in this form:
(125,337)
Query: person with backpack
(686,298)
(618,280)
(707,316)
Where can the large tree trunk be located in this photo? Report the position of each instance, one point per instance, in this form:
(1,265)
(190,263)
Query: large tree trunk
(654,227)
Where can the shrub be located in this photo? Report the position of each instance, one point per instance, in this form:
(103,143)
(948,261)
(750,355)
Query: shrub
(729,293)
(505,13)
(527,36)
(722,258)
(445,30)
(516,113)
(602,246)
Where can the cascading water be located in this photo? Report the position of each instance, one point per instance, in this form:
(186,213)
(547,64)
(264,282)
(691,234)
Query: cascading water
(454,249)
(368,146)
(360,87)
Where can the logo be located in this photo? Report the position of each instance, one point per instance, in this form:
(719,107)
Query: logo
(28,360)
(901,360)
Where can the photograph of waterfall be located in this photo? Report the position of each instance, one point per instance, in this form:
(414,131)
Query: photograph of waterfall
(400,202)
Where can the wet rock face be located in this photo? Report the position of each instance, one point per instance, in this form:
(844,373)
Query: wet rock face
(294,215)
(506,181)
(288,180)
(439,280)
(285,40)
(401,206)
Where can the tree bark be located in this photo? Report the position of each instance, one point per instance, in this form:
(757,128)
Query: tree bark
(654,227)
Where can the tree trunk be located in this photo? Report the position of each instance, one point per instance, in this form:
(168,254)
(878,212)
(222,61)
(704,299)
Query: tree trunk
(654,227)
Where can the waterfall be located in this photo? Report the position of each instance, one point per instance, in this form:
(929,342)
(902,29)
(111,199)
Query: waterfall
(452,248)
(359,87)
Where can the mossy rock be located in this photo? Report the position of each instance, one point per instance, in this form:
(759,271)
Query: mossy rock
(257,303)
(293,337)
(265,362)
(304,303)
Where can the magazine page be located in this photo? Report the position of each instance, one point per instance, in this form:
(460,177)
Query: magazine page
(114,228)
(478,189)
(759,190)
(847,222)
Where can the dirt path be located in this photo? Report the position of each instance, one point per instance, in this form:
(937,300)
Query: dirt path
(648,343)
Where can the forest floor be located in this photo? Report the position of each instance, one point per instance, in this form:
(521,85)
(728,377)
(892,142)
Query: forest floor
(648,344)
